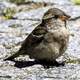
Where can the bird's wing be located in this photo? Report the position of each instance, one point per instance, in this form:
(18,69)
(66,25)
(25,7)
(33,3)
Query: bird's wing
(35,37)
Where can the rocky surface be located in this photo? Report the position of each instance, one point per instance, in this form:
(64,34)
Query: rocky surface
(14,31)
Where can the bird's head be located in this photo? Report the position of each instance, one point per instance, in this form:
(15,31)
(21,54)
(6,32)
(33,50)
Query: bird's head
(55,12)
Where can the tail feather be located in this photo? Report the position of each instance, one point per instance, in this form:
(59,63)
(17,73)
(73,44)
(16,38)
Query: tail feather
(13,56)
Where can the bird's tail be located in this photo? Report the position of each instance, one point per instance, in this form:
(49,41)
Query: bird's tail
(13,56)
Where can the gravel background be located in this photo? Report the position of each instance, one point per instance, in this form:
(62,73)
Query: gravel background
(14,31)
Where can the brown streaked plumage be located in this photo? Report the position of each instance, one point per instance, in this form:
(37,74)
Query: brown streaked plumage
(49,40)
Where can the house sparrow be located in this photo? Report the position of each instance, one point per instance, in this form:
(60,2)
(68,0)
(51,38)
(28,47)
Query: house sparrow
(49,40)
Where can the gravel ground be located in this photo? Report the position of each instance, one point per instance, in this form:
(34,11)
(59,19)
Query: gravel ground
(13,32)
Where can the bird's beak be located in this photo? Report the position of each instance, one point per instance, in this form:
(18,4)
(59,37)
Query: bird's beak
(64,18)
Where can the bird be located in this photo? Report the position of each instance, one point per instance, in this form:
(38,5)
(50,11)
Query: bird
(48,41)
